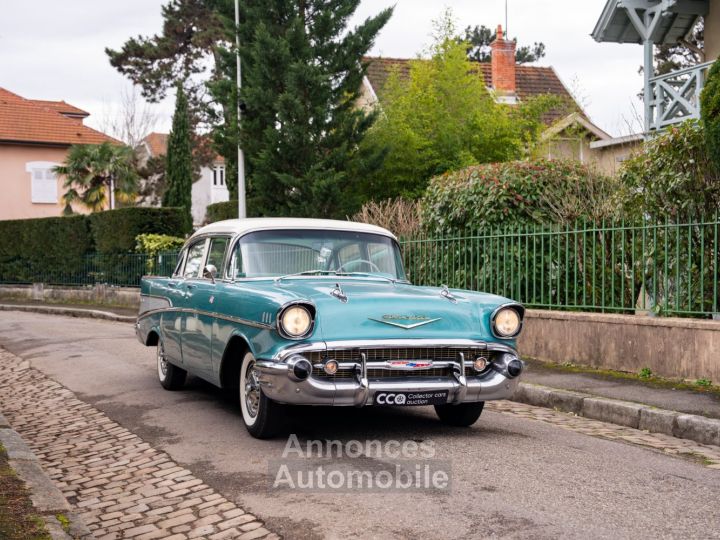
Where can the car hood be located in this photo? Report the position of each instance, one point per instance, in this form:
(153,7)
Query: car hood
(378,309)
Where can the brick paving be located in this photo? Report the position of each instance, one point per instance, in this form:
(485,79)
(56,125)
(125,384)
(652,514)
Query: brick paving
(120,486)
(706,454)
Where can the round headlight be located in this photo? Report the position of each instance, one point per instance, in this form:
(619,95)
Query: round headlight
(507,322)
(296,321)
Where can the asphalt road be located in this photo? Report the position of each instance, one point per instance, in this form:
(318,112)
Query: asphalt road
(511,476)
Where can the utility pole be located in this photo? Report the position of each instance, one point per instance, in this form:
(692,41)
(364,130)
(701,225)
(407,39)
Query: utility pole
(242,211)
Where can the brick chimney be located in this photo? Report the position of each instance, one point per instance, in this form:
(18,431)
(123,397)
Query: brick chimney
(503,63)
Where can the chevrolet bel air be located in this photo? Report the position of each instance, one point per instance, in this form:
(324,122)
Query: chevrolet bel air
(320,312)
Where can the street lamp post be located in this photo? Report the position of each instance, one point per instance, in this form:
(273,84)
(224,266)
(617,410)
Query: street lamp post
(242,211)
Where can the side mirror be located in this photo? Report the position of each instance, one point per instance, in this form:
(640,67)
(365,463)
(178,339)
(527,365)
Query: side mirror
(209,272)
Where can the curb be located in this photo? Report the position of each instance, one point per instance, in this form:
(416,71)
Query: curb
(71,312)
(625,413)
(47,499)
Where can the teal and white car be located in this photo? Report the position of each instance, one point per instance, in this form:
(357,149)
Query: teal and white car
(320,312)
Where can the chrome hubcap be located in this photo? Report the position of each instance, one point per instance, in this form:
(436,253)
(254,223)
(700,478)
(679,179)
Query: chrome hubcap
(162,363)
(252,390)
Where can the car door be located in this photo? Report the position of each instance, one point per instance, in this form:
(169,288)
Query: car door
(171,320)
(201,301)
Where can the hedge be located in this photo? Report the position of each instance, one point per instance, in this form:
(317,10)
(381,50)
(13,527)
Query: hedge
(222,211)
(46,246)
(115,231)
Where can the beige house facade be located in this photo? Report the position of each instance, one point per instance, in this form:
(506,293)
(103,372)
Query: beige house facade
(35,136)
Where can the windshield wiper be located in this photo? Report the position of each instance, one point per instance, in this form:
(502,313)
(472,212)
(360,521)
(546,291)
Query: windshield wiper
(370,274)
(307,273)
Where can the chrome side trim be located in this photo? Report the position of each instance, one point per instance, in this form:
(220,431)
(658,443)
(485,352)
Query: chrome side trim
(245,322)
(152,302)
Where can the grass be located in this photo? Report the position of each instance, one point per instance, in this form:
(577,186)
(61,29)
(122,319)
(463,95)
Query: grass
(18,520)
(645,377)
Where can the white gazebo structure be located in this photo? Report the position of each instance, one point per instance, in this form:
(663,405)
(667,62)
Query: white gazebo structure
(672,97)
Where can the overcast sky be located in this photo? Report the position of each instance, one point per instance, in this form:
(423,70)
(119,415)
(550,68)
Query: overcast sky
(55,50)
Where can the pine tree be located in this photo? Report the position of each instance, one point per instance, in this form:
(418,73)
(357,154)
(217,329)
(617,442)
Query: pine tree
(179,167)
(302,74)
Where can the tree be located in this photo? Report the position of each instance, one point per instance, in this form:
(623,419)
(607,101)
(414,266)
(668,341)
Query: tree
(479,38)
(302,71)
(179,162)
(442,118)
(710,111)
(97,175)
(685,53)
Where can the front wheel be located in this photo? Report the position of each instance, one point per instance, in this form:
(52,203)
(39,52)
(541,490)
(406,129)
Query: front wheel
(462,415)
(171,377)
(261,415)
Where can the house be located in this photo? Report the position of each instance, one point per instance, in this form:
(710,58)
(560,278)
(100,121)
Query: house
(35,136)
(570,134)
(675,96)
(208,189)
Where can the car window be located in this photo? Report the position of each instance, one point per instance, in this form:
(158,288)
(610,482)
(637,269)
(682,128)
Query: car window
(194,259)
(216,253)
(349,254)
(179,265)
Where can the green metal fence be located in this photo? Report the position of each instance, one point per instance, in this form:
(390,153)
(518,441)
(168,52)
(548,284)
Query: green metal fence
(668,268)
(118,269)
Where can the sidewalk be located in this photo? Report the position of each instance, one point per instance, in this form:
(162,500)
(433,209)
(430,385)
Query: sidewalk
(681,413)
(683,401)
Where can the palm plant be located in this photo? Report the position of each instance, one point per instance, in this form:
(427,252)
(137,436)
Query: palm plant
(98,174)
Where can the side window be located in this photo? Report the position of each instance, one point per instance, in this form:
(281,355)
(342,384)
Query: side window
(181,260)
(216,253)
(235,266)
(194,259)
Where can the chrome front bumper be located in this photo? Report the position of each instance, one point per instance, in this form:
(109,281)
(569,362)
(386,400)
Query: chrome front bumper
(279,382)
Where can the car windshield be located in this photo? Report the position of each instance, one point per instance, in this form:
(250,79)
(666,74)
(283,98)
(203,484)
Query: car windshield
(285,252)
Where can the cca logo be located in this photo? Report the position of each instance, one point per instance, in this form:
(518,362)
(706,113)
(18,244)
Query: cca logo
(390,399)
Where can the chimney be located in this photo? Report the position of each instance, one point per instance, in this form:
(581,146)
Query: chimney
(502,60)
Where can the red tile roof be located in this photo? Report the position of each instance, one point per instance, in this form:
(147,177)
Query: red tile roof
(530,80)
(157,143)
(61,107)
(40,122)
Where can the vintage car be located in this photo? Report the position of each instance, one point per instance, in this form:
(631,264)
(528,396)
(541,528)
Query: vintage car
(320,312)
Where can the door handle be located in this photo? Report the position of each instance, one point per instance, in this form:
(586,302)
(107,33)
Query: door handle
(190,286)
(172,284)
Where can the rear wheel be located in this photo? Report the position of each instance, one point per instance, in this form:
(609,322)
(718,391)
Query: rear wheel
(171,377)
(261,415)
(463,415)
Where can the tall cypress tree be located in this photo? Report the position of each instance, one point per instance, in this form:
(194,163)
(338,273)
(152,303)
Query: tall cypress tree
(302,74)
(179,167)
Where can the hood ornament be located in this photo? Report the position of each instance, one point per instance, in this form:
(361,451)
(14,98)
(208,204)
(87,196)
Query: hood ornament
(392,321)
(338,293)
(445,293)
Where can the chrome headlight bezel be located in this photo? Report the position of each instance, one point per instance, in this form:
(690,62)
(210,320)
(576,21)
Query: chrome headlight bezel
(519,311)
(285,309)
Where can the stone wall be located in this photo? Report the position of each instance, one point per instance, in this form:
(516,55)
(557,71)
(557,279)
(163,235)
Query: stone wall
(670,347)
(98,294)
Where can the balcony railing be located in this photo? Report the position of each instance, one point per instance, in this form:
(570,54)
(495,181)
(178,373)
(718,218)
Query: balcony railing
(675,96)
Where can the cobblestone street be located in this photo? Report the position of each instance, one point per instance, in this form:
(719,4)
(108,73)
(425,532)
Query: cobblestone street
(121,486)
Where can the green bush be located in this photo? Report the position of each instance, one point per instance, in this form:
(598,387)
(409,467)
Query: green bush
(710,108)
(515,194)
(160,248)
(221,211)
(43,249)
(115,231)
(672,177)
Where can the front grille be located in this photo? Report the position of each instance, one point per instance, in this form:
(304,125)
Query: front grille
(436,354)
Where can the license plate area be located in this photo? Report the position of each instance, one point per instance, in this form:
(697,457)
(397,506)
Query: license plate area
(410,399)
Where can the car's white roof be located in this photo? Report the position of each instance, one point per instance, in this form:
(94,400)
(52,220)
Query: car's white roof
(242,226)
